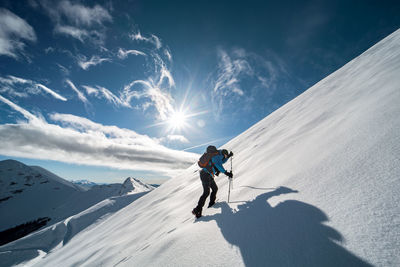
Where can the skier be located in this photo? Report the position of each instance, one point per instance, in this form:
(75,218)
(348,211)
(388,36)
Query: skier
(211,163)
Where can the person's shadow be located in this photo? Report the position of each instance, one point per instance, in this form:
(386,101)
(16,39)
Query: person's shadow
(290,234)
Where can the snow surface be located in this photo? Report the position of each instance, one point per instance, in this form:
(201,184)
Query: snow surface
(32,192)
(85,184)
(133,185)
(316,183)
(29,193)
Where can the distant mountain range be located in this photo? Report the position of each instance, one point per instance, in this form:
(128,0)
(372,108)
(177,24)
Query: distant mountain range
(86,183)
(31,196)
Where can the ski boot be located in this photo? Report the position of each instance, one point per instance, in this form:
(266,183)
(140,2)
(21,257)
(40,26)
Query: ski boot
(196,212)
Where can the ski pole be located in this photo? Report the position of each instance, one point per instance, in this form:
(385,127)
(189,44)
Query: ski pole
(231,172)
(230,180)
(229,189)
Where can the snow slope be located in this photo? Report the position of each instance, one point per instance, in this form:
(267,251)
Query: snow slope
(31,192)
(316,184)
(85,184)
(133,185)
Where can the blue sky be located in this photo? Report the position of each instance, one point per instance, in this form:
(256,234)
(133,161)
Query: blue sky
(102,90)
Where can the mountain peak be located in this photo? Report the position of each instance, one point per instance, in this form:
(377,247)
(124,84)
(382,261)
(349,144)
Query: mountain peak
(134,185)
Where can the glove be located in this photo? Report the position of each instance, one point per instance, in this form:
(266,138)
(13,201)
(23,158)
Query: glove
(229,174)
(230,155)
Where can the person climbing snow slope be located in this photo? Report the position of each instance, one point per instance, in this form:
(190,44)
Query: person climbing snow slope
(211,163)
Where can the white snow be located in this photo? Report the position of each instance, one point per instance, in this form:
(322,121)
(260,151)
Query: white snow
(316,183)
(133,185)
(32,192)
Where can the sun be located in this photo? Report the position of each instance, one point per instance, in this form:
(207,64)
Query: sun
(177,120)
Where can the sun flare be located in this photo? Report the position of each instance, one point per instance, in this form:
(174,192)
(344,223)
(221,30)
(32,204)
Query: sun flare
(177,120)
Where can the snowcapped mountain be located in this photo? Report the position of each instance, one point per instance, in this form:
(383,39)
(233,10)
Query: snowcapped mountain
(86,184)
(133,185)
(315,184)
(29,193)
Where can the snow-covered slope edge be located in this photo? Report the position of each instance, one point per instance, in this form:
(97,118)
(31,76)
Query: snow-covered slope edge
(32,193)
(28,193)
(60,233)
(316,184)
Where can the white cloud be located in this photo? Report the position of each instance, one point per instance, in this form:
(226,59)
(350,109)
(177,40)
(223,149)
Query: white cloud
(24,112)
(81,141)
(174,138)
(91,90)
(168,54)
(11,80)
(78,21)
(77,33)
(63,69)
(156,89)
(80,15)
(111,97)
(230,70)
(161,100)
(49,50)
(122,53)
(94,60)
(153,39)
(81,96)
(165,74)
(239,68)
(12,30)
(139,89)
(51,92)
(156,41)
(101,92)
(12,85)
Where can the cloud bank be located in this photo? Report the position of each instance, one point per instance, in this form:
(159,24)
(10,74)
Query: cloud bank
(81,141)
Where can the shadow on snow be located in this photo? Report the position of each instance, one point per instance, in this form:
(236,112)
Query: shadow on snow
(290,234)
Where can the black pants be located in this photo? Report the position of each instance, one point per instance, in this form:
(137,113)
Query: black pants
(208,182)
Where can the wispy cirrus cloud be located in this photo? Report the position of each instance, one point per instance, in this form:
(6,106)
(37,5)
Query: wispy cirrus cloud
(81,141)
(102,92)
(238,68)
(161,100)
(230,71)
(81,15)
(16,86)
(154,90)
(153,39)
(122,53)
(81,95)
(51,92)
(13,30)
(74,32)
(93,61)
(77,20)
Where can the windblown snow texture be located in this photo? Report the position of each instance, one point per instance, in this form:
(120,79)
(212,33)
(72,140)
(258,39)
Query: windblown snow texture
(315,184)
